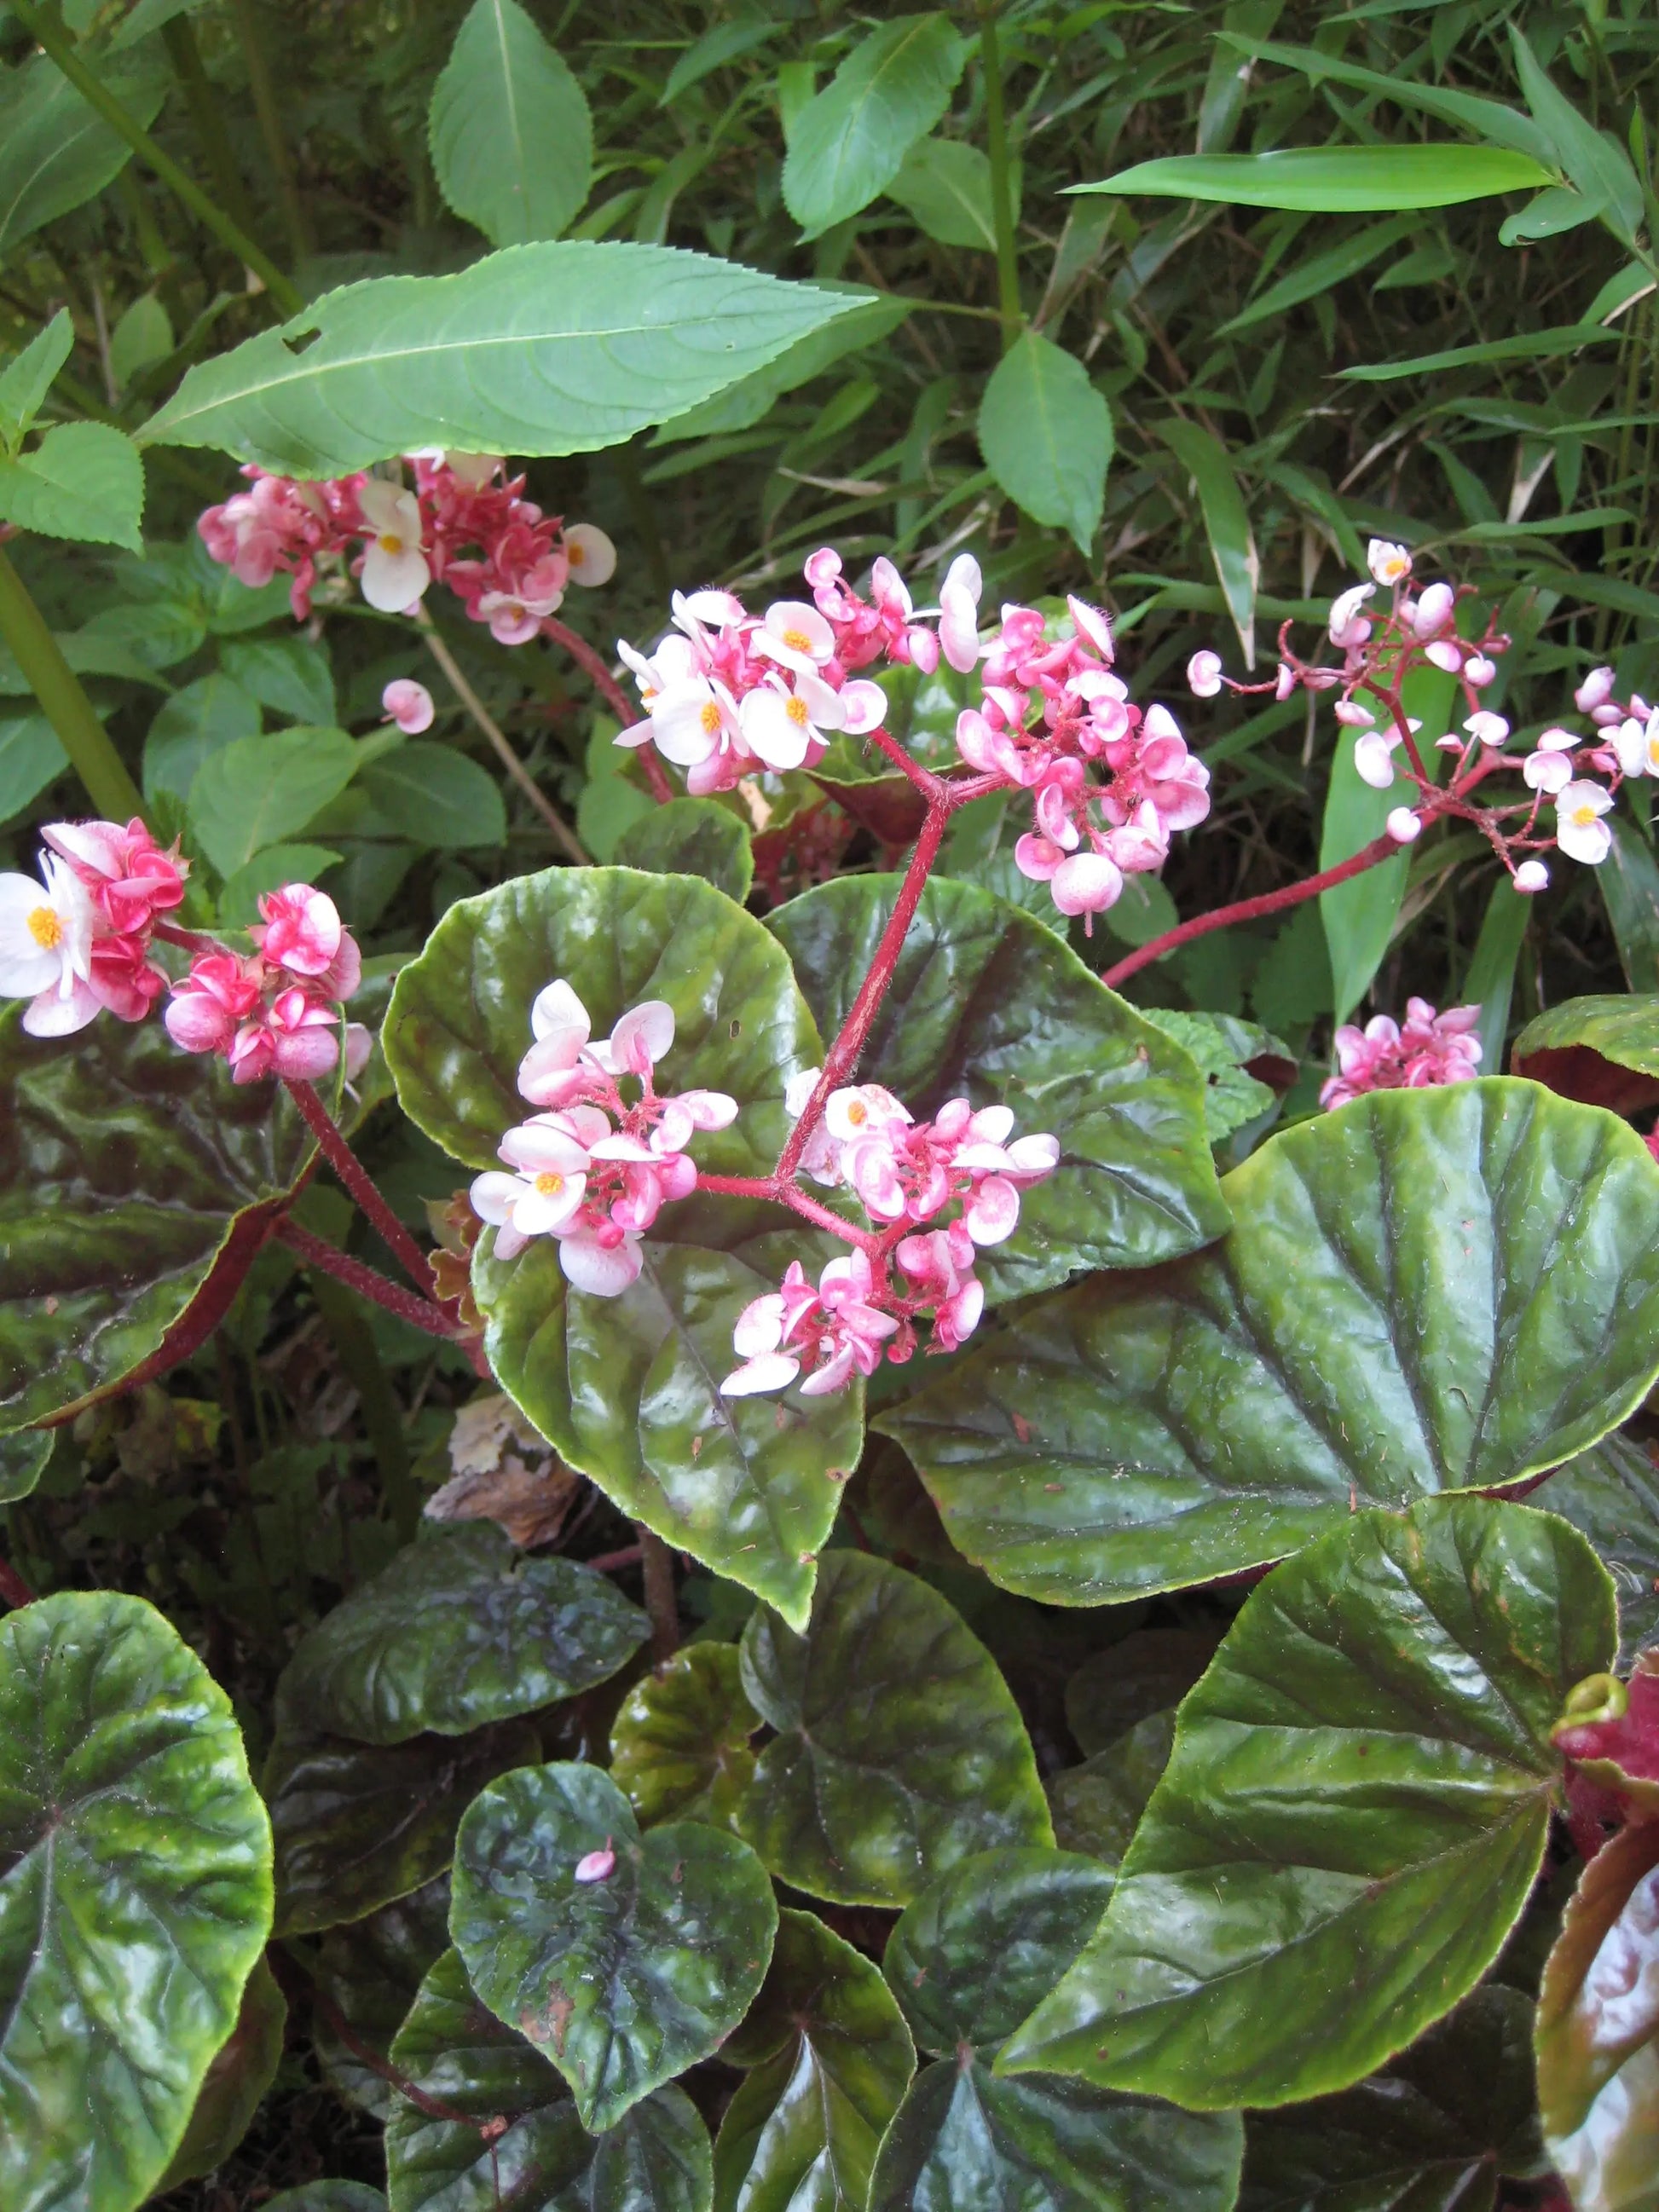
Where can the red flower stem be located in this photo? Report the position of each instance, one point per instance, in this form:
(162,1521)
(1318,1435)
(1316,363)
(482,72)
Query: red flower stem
(358,1180)
(282,1960)
(782,1192)
(421,1313)
(611,1563)
(614,696)
(1380,849)
(13,1588)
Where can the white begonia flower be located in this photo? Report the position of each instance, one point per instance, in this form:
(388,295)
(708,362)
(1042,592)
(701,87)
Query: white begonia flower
(1636,744)
(45,948)
(395,572)
(1491,729)
(542,1195)
(781,726)
(959,612)
(1348,625)
(592,556)
(1204,674)
(1402,825)
(796,636)
(1389,564)
(693,718)
(1373,757)
(1433,609)
(1531,878)
(1579,829)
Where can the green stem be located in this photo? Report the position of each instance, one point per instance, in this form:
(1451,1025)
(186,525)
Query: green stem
(179,38)
(52,39)
(271,127)
(1002,201)
(62,701)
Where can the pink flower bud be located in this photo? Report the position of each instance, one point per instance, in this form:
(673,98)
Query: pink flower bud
(409,704)
(1204,674)
(1530,878)
(1402,825)
(596,1866)
(1433,609)
(1595,691)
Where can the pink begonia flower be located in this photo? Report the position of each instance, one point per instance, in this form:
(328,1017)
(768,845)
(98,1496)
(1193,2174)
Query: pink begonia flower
(595,1866)
(209,1006)
(1548,767)
(1491,729)
(128,876)
(1388,562)
(297,1039)
(592,556)
(46,930)
(122,981)
(1373,757)
(1531,878)
(796,636)
(1204,674)
(1428,1050)
(1403,825)
(829,1334)
(395,572)
(1637,745)
(940,1268)
(908,1171)
(822,1158)
(1433,611)
(545,1191)
(1596,690)
(1479,671)
(409,704)
(1579,830)
(959,612)
(781,724)
(1445,653)
(299,928)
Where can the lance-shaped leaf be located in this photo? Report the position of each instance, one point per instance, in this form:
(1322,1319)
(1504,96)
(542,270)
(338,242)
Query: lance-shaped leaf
(1335,179)
(622,1978)
(134,1896)
(692,837)
(1427,1291)
(627,1388)
(849,141)
(370,1972)
(557,348)
(458,1632)
(1046,436)
(1604,1050)
(511,138)
(1611,1495)
(1352,1820)
(680,1743)
(127,1170)
(456,2051)
(899,1749)
(240,2071)
(1598,2031)
(831,2059)
(1431,2132)
(985,1004)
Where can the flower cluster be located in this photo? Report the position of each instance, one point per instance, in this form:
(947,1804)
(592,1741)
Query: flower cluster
(905,1173)
(77,943)
(594,1168)
(464,523)
(1426,1049)
(276,1012)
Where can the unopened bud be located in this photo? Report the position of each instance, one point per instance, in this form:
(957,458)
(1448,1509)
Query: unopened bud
(1402,825)
(597,1866)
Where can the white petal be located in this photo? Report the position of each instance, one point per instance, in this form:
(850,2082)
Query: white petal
(557,1007)
(392,581)
(773,1370)
(591,555)
(603,1272)
(494,1196)
(771,732)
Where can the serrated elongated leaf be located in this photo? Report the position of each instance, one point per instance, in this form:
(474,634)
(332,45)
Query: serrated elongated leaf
(458,1632)
(1226,518)
(1046,435)
(985,1003)
(1352,1817)
(257,791)
(624,1981)
(55,153)
(1611,1494)
(692,837)
(1425,1290)
(868,318)
(454,2048)
(370,1970)
(237,2078)
(29,375)
(84,481)
(830,2059)
(847,144)
(134,1896)
(1604,1050)
(511,138)
(680,1743)
(899,1749)
(556,348)
(1336,179)
(130,1175)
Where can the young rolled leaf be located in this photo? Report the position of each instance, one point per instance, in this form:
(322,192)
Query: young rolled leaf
(134,1896)
(623,1977)
(1336,179)
(1611,1494)
(511,138)
(555,348)
(1353,1818)
(680,1743)
(458,1632)
(1046,435)
(1425,1290)
(460,2056)
(899,1749)
(830,2059)
(1604,1051)
(984,1003)
(850,140)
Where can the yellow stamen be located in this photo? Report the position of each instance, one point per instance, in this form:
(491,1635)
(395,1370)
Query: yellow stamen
(45,929)
(796,711)
(575,554)
(710,717)
(389,542)
(549,1185)
(857,1113)
(797,641)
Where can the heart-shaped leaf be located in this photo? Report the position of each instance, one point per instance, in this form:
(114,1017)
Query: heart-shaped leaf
(1352,1817)
(1611,1494)
(1097,1805)
(985,1003)
(458,1632)
(357,1825)
(257,791)
(1431,2133)
(692,837)
(680,1743)
(1129,1682)
(458,2054)
(899,1749)
(831,2060)
(1427,1291)
(370,1972)
(1598,2031)
(134,1896)
(238,2077)
(624,1977)
(511,138)
(127,1170)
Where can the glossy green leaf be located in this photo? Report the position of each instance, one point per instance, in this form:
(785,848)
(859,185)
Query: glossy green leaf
(197,721)
(1046,436)
(624,1981)
(23,1456)
(1336,179)
(1097,1805)
(55,154)
(134,1896)
(899,1749)
(945,185)
(1602,1050)
(289,675)
(830,2060)
(1229,1053)
(1611,1494)
(370,1972)
(84,481)
(459,1631)
(1221,501)
(692,837)
(1431,2133)
(1148,1672)
(327,2196)
(847,145)
(455,2050)
(257,791)
(127,1171)
(680,1743)
(556,348)
(984,1002)
(358,1826)
(241,2070)
(1353,1818)
(31,757)
(30,374)
(1425,1290)
(511,139)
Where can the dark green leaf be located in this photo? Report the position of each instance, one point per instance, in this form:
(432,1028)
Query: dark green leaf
(134,1896)
(831,2060)
(899,1750)
(1602,1050)
(1590,156)
(23,1456)
(1485,119)
(1427,1291)
(196,721)
(624,1981)
(985,1003)
(1320,270)
(370,1970)
(692,837)
(459,1631)
(434,796)
(242,2069)
(1046,435)
(1352,1817)
(1226,518)
(1097,1805)
(1611,1494)
(55,154)
(84,481)
(289,675)
(680,1744)
(511,138)
(31,757)
(847,144)
(1336,179)
(1227,1053)
(1127,1683)
(257,791)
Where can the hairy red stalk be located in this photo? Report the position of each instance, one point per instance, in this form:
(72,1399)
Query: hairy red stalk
(614,697)
(283,1962)
(13,1588)
(610,1563)
(316,1252)
(358,1180)
(781,1191)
